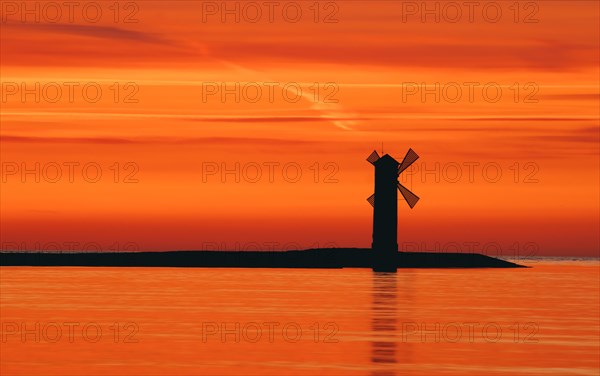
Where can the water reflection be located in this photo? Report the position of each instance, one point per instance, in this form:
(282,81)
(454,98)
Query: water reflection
(384,324)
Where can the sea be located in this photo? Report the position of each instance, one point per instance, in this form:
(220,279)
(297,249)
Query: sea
(540,320)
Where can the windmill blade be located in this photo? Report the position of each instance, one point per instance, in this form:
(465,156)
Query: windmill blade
(371,200)
(374,157)
(410,197)
(409,159)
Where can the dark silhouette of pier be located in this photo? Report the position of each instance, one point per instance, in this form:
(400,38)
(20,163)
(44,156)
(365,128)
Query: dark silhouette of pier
(310,258)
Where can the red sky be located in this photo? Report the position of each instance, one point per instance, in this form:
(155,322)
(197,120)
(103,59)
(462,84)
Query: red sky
(528,108)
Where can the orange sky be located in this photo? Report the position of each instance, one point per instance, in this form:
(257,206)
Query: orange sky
(372,65)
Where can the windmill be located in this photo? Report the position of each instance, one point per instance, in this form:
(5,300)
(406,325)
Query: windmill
(385,206)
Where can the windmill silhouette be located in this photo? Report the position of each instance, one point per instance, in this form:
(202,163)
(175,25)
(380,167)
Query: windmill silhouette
(385,207)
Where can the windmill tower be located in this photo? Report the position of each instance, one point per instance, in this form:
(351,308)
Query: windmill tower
(385,207)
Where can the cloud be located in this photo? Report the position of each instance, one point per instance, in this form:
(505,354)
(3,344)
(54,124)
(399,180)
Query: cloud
(153,141)
(94,31)
(271,119)
(541,55)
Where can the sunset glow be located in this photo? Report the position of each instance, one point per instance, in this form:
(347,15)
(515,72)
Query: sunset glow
(212,134)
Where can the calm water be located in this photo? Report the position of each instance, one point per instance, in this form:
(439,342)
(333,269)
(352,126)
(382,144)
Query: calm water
(143,321)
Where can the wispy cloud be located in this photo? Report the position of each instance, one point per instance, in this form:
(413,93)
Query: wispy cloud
(153,141)
(88,30)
